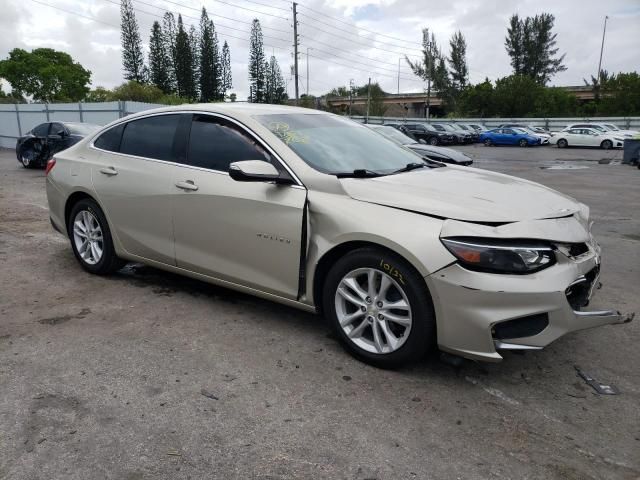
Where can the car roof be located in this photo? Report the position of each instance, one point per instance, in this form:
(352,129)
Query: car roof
(241,108)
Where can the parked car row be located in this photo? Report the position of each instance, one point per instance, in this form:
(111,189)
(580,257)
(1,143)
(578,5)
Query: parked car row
(602,135)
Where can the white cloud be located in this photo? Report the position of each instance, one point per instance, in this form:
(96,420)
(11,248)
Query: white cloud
(341,53)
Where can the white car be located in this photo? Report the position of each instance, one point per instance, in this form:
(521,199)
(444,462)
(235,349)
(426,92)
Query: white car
(587,137)
(605,128)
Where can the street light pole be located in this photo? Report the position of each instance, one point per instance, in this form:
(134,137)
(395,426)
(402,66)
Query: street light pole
(429,71)
(604,30)
(399,75)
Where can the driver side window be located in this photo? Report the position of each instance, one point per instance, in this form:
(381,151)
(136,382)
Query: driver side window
(215,143)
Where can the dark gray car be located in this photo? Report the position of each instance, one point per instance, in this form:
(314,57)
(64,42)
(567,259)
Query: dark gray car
(440,154)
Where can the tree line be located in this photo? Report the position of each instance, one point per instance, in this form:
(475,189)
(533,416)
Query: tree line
(189,63)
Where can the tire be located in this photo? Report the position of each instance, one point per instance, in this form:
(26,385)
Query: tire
(562,143)
(523,143)
(405,339)
(606,144)
(101,260)
(433,141)
(488,142)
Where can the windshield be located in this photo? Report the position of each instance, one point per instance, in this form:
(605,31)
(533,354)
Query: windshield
(463,127)
(332,144)
(611,127)
(392,134)
(521,131)
(81,128)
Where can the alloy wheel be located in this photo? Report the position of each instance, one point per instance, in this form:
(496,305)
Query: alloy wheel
(87,236)
(373,310)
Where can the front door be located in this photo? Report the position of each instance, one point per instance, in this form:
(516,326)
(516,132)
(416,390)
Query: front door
(248,233)
(133,178)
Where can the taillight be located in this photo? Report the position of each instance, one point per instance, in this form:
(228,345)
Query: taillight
(50,164)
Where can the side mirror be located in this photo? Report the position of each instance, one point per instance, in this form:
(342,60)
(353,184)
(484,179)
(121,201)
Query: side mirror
(256,171)
(423,141)
(61,132)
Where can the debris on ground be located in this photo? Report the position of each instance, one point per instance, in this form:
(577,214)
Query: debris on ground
(174,453)
(597,386)
(208,394)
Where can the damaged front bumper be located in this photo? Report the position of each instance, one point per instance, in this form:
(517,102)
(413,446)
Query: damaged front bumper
(478,314)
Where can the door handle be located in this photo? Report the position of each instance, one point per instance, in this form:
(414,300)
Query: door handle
(187,185)
(109,171)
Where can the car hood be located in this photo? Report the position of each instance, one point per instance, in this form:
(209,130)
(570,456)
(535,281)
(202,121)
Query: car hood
(463,193)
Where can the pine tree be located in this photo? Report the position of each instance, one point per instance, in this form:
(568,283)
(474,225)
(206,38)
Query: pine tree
(210,67)
(425,68)
(194,45)
(184,63)
(227,83)
(458,62)
(158,59)
(169,40)
(274,82)
(532,47)
(256,64)
(132,58)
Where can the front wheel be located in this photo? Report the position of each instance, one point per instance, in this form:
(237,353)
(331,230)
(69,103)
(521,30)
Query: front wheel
(433,141)
(606,144)
(523,143)
(380,308)
(91,238)
(27,157)
(562,143)
(488,142)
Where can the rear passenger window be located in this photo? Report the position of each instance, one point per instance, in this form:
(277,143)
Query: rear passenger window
(110,140)
(215,143)
(151,137)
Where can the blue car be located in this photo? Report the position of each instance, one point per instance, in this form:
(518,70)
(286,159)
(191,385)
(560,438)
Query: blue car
(508,136)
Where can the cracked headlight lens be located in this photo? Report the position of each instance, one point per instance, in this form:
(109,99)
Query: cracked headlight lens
(501,256)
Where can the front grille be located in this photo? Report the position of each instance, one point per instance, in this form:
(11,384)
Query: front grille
(521,327)
(578,292)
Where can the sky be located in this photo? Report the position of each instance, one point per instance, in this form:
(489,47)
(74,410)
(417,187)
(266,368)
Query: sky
(346,39)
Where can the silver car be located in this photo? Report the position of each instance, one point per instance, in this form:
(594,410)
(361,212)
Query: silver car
(320,213)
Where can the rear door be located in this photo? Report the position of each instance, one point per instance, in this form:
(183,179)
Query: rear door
(134,182)
(248,233)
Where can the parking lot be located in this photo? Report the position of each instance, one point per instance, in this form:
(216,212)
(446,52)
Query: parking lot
(149,375)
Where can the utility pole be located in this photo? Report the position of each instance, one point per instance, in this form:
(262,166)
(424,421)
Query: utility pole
(429,72)
(350,97)
(368,99)
(604,30)
(399,75)
(308,70)
(295,49)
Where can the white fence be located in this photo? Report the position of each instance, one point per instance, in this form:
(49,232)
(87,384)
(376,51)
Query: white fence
(552,124)
(18,119)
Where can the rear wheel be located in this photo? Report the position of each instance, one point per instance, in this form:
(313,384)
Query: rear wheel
(562,143)
(606,144)
(379,307)
(488,142)
(91,238)
(523,143)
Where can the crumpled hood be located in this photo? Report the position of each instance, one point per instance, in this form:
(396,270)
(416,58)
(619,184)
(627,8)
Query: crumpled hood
(463,193)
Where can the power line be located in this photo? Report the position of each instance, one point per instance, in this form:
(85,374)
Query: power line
(115,2)
(210,14)
(347,52)
(361,63)
(268,6)
(70,12)
(358,27)
(360,69)
(404,47)
(252,10)
(368,45)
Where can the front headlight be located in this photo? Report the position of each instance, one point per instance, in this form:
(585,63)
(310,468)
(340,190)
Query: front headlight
(501,256)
